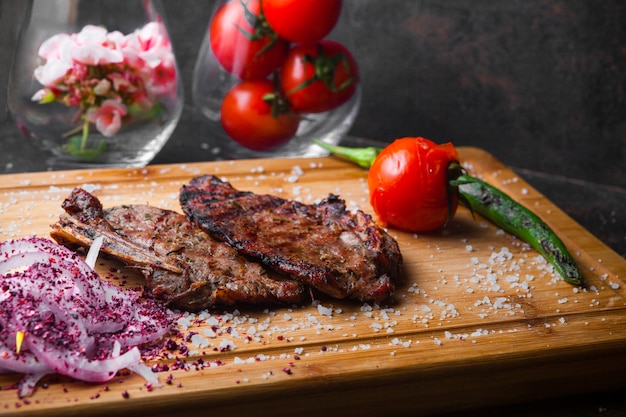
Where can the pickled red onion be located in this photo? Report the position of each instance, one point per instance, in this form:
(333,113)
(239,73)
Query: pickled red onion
(74,322)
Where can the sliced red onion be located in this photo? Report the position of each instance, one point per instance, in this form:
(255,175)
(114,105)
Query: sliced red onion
(94,250)
(146,372)
(74,322)
(24,363)
(28,383)
(80,367)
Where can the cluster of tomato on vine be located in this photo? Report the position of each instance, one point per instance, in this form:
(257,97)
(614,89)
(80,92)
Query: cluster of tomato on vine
(285,65)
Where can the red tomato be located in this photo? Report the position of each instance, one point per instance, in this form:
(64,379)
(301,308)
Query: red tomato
(302,21)
(408,185)
(243,43)
(319,77)
(256,117)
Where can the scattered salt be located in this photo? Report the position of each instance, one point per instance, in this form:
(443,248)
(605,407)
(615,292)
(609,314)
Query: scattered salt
(227,345)
(325,311)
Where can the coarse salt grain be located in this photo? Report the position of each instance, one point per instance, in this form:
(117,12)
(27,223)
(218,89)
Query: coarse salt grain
(313,319)
(184,322)
(212,321)
(325,311)
(199,341)
(227,345)
(376,326)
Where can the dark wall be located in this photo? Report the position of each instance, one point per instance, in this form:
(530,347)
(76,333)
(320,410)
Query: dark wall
(540,84)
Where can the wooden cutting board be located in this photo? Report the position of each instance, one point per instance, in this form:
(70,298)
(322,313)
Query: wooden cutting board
(478,319)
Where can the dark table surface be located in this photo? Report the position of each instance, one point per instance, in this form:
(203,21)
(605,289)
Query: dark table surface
(598,208)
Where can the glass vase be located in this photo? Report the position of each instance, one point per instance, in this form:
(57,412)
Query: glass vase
(95,83)
(213,79)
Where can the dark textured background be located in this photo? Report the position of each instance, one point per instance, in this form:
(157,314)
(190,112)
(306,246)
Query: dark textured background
(540,84)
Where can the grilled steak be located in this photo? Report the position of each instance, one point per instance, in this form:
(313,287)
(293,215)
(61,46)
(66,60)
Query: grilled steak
(183,265)
(339,253)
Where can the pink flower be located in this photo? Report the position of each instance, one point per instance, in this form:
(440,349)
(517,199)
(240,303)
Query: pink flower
(56,52)
(73,97)
(51,46)
(107,117)
(39,95)
(127,84)
(149,50)
(102,87)
(150,43)
(106,73)
(94,46)
(163,80)
(52,72)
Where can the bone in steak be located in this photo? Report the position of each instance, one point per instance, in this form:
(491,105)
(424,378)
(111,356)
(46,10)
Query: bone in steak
(182,264)
(342,254)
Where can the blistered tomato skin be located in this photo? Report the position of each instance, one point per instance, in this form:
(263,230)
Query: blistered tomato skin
(248,52)
(302,21)
(408,184)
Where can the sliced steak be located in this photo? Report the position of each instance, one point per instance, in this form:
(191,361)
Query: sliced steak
(182,264)
(342,254)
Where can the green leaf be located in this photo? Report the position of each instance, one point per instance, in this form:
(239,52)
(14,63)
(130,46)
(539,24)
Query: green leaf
(48,97)
(74,147)
(157,111)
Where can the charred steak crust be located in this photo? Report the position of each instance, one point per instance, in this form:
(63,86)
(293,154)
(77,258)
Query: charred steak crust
(182,264)
(340,253)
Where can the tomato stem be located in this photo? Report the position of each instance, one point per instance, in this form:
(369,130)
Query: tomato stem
(363,157)
(278,103)
(453,171)
(260,28)
(325,68)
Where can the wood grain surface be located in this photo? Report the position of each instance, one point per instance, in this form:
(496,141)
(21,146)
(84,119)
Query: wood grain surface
(478,319)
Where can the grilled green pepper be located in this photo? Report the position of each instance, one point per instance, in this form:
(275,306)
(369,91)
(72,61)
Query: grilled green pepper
(494,205)
(516,219)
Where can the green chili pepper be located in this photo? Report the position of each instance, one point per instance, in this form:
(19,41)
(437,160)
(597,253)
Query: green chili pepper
(516,219)
(494,205)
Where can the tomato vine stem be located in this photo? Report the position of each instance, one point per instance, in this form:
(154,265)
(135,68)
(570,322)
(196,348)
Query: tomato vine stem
(325,68)
(260,28)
